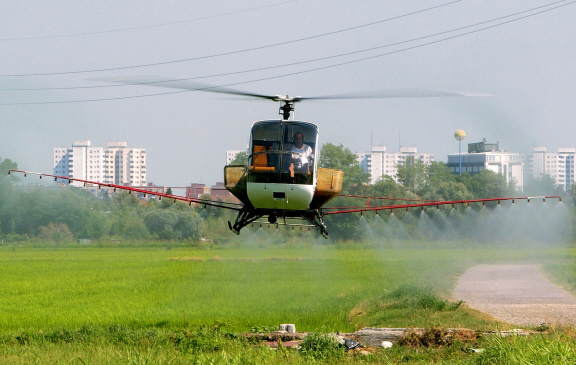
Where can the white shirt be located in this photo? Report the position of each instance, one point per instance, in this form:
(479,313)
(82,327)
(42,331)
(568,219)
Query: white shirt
(301,156)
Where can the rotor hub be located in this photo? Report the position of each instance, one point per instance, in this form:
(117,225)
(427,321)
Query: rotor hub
(286,109)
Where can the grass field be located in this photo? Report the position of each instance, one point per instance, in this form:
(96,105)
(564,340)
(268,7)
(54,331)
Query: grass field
(319,288)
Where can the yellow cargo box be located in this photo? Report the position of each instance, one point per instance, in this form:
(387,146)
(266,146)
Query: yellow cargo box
(235,178)
(329,185)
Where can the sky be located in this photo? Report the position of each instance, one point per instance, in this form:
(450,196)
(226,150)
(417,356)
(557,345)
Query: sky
(527,65)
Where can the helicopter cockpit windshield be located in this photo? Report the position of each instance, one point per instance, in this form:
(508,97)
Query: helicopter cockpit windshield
(282,152)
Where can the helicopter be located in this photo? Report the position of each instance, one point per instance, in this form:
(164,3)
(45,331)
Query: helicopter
(282,179)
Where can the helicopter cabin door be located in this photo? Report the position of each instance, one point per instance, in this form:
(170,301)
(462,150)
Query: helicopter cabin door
(282,165)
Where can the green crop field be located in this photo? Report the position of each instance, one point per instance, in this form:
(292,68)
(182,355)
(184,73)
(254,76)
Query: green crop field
(318,287)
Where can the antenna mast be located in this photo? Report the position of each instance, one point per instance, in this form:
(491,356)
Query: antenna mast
(371,143)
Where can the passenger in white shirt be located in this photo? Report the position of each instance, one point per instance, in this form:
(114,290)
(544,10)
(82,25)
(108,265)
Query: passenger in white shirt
(302,156)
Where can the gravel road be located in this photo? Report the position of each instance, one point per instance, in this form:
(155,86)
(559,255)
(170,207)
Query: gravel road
(516,294)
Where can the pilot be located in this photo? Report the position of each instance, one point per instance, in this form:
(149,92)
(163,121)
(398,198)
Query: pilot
(301,157)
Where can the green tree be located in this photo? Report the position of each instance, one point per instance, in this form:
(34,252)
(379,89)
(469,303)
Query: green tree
(544,185)
(240,159)
(169,191)
(173,223)
(441,184)
(5,166)
(190,225)
(339,157)
(56,232)
(438,172)
(386,187)
(412,174)
(448,191)
(7,195)
(129,225)
(487,184)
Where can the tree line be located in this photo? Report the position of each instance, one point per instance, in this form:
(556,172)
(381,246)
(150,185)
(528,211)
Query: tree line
(67,214)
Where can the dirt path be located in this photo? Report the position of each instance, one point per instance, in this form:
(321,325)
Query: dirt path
(517,294)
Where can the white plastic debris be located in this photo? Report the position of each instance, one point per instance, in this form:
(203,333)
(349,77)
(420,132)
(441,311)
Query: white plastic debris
(290,328)
(386,344)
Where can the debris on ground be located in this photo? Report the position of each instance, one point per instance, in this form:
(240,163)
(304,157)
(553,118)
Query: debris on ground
(351,344)
(373,338)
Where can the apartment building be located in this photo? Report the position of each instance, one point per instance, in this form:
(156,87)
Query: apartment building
(378,162)
(115,164)
(559,165)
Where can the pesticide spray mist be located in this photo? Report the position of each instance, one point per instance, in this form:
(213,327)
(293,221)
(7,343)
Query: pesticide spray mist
(534,222)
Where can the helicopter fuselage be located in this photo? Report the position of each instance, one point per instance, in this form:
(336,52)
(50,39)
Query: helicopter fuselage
(281,177)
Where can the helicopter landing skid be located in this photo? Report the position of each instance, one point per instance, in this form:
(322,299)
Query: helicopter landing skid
(245,217)
(316,220)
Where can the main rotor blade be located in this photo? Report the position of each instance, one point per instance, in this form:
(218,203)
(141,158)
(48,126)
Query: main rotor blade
(184,85)
(397,93)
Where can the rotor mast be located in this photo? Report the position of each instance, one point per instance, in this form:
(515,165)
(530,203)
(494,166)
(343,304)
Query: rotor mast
(288,106)
(286,109)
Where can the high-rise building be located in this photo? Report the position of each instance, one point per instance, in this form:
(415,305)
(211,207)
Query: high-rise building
(378,162)
(123,165)
(486,156)
(116,164)
(559,165)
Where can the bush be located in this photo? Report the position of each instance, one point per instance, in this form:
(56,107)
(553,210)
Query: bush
(57,233)
(322,346)
(411,296)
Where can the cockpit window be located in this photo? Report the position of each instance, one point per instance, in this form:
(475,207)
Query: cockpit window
(282,152)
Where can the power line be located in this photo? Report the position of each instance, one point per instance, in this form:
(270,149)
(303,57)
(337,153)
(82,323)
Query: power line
(233,52)
(153,83)
(145,26)
(297,72)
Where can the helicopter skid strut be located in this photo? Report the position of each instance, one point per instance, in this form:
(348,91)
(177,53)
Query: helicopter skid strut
(316,220)
(247,216)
